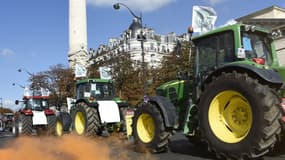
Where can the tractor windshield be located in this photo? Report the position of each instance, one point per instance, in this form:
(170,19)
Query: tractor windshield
(257,46)
(102,90)
(37,104)
(215,50)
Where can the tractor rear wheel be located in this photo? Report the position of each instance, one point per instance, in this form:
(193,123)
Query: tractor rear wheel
(149,130)
(25,125)
(238,117)
(63,123)
(51,125)
(86,120)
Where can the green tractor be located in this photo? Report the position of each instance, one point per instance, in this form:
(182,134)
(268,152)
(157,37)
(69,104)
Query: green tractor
(230,99)
(96,110)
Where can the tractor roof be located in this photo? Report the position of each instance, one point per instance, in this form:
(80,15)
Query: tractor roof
(233,27)
(35,97)
(93,80)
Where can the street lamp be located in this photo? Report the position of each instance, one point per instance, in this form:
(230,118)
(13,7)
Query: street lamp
(31,74)
(140,38)
(14,84)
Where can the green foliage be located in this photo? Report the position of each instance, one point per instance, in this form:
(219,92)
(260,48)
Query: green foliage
(178,61)
(5,110)
(126,76)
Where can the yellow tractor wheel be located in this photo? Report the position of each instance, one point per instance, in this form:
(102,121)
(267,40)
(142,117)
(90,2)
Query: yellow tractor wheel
(230,116)
(149,130)
(238,116)
(85,120)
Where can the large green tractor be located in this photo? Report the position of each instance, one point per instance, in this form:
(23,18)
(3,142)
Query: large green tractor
(96,110)
(230,99)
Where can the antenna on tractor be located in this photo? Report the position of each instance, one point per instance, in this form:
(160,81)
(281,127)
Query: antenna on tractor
(190,32)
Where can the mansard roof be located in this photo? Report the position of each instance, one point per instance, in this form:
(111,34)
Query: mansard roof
(134,27)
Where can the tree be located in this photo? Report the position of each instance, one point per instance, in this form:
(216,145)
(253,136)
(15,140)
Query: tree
(5,110)
(58,80)
(178,61)
(128,76)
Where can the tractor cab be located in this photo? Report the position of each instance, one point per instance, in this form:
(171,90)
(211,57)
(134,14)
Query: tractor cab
(95,89)
(38,103)
(245,48)
(256,45)
(235,43)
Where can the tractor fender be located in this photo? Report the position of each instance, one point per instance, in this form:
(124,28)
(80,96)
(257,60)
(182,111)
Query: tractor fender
(267,76)
(167,110)
(89,104)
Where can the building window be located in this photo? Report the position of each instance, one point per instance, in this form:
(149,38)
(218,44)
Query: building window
(163,49)
(152,46)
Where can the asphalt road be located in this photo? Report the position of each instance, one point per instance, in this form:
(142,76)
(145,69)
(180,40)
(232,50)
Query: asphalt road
(180,149)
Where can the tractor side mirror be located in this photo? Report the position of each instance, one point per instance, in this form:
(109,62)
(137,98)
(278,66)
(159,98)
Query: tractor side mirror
(17,102)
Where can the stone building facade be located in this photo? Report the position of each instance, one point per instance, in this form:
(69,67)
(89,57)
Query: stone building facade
(156,46)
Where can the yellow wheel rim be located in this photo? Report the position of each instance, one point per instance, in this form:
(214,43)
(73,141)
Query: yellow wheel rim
(145,128)
(79,125)
(59,128)
(230,116)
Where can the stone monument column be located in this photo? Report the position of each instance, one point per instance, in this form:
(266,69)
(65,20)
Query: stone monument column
(78,52)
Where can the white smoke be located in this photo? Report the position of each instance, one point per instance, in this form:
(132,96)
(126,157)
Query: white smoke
(138,5)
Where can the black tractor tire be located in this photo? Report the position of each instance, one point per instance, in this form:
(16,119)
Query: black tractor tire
(239,117)
(15,128)
(51,126)
(149,130)
(195,139)
(26,124)
(86,120)
(63,123)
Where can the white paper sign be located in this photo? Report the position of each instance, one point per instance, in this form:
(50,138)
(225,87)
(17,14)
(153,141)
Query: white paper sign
(203,18)
(105,73)
(241,53)
(80,71)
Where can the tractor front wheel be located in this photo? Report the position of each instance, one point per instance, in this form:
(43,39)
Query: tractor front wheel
(25,125)
(149,130)
(86,120)
(51,125)
(238,117)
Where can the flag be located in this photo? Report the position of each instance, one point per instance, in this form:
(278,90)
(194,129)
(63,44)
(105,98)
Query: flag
(203,18)
(105,73)
(80,71)
(27,91)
